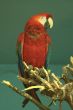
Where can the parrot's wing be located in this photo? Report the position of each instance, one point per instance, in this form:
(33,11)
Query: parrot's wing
(20,61)
(48,57)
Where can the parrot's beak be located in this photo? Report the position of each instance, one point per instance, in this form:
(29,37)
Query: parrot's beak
(50,21)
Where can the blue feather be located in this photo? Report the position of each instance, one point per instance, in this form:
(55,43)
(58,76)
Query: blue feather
(48,58)
(20,63)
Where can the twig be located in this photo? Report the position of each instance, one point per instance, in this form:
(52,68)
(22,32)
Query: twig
(27,81)
(40,105)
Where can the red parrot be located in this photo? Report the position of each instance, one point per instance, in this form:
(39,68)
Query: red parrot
(33,45)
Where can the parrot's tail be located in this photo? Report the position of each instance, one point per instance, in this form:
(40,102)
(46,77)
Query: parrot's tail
(33,94)
(25,102)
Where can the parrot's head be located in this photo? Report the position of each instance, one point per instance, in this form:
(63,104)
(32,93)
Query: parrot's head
(38,24)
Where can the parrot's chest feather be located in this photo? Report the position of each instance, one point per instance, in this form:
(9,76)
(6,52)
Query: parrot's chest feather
(34,53)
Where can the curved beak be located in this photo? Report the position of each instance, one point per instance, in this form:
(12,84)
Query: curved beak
(50,21)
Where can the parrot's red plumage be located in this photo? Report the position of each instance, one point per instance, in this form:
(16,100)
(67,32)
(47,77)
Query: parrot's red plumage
(34,51)
(33,44)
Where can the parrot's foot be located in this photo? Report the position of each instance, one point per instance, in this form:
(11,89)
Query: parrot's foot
(25,102)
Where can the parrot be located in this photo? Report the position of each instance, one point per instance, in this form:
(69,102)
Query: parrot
(33,46)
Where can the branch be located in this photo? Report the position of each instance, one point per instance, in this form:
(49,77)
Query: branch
(69,93)
(48,84)
(41,106)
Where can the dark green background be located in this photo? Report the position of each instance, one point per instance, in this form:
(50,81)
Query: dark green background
(13,16)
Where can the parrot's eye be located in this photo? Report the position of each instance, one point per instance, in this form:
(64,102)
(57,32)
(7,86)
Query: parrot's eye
(41,17)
